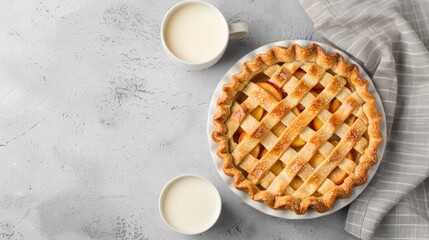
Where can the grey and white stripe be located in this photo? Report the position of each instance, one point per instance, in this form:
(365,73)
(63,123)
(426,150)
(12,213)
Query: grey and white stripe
(391,39)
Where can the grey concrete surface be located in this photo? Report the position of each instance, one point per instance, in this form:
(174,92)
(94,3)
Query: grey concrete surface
(94,120)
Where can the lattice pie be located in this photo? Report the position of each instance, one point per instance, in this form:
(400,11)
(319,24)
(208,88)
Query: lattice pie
(297,128)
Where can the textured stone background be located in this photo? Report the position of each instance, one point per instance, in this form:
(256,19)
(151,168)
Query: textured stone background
(94,120)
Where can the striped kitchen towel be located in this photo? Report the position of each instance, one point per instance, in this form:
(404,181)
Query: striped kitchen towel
(391,39)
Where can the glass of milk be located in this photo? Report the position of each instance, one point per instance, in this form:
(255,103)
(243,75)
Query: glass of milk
(195,34)
(190,204)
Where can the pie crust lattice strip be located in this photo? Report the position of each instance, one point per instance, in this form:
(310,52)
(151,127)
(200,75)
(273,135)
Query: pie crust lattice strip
(297,128)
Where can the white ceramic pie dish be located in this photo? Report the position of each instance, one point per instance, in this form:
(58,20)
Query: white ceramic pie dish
(286,214)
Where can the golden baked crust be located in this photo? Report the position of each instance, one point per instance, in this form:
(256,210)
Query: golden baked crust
(252,170)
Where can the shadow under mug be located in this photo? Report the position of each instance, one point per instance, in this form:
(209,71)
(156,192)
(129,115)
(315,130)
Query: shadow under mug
(231,31)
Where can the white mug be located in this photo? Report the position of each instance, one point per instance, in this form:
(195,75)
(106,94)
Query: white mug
(236,30)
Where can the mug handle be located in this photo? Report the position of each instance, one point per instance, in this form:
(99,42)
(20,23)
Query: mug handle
(238,30)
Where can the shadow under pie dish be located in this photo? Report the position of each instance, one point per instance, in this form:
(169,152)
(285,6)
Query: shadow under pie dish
(297,128)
